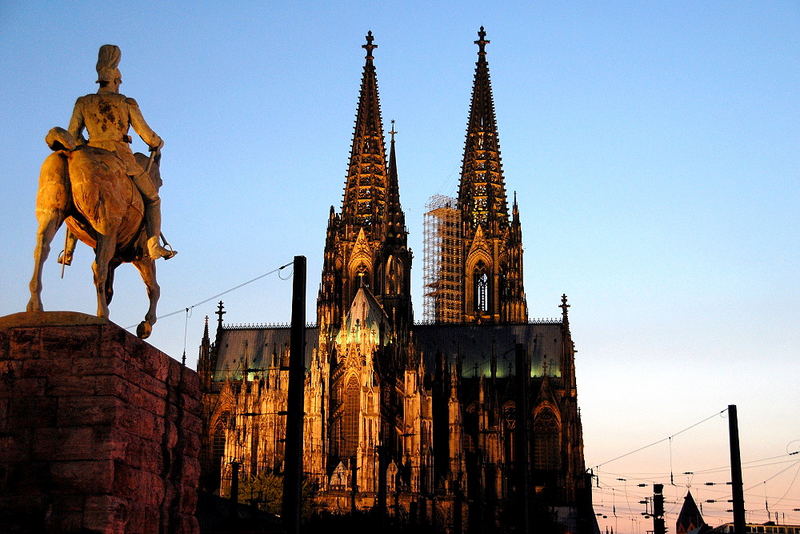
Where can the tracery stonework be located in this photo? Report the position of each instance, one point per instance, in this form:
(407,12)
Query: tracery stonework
(418,420)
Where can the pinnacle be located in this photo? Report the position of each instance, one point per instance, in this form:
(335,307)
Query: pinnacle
(364,203)
(482,194)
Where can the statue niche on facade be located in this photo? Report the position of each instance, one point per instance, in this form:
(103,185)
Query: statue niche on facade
(106,194)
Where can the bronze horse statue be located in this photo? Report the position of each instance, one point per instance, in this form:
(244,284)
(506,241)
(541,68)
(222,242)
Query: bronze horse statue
(89,189)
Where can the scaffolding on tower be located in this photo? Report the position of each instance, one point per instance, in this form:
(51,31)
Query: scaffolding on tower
(442,261)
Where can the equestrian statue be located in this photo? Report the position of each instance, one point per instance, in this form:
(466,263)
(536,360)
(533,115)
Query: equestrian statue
(106,194)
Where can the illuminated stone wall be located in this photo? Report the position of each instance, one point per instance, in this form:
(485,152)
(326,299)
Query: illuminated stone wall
(99,431)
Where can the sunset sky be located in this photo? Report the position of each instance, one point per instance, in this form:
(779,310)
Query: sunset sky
(654,148)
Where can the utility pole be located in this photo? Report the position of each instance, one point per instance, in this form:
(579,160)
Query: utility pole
(293,474)
(523,377)
(736,471)
(234,490)
(658,509)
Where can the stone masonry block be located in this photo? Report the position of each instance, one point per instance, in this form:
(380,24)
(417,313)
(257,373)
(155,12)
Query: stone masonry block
(94,410)
(83,477)
(12,385)
(105,513)
(99,431)
(32,411)
(24,343)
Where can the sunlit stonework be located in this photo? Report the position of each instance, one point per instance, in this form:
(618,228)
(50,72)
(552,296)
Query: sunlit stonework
(433,423)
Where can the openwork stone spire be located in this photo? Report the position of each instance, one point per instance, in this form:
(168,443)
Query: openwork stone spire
(364,204)
(482,193)
(396,219)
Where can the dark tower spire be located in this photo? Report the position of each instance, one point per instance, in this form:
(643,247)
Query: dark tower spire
(329,305)
(206,339)
(568,359)
(564,311)
(220,312)
(395,255)
(515,236)
(482,194)
(367,245)
(205,365)
(396,219)
(491,248)
(364,204)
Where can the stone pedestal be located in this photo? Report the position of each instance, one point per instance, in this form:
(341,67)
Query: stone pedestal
(99,431)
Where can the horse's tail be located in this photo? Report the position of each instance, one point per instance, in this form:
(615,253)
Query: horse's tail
(60,139)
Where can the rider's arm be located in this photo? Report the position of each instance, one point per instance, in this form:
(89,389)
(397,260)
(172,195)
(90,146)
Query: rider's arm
(76,123)
(140,126)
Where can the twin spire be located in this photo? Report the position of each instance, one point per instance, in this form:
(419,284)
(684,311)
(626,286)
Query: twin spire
(371,197)
(482,191)
(364,203)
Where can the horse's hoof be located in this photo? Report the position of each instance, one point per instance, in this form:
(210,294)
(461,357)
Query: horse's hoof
(143,330)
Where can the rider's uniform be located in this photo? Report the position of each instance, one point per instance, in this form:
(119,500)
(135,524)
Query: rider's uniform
(107,117)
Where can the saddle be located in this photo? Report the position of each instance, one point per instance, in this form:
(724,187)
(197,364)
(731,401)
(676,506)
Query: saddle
(82,222)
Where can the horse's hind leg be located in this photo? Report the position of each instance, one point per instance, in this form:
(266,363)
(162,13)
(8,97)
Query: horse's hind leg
(103,254)
(49,223)
(51,205)
(147,268)
(112,267)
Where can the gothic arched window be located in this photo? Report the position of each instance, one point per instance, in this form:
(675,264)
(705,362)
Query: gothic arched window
(481,287)
(350,418)
(218,444)
(394,276)
(547,445)
(505,289)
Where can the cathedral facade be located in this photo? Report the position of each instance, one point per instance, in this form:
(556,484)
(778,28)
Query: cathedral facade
(466,422)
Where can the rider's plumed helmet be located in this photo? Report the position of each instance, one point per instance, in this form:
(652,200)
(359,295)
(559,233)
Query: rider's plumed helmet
(107,62)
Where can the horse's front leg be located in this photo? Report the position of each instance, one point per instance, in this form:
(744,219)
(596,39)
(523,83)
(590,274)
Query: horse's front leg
(49,223)
(103,254)
(147,268)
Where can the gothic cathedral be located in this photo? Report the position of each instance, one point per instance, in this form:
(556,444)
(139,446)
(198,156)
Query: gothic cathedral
(464,422)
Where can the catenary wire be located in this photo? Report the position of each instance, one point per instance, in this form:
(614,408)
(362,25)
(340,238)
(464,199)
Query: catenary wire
(234,288)
(662,439)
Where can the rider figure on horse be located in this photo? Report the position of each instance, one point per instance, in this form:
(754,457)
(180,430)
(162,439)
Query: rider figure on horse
(107,115)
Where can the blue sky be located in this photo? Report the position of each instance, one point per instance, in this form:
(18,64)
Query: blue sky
(653,148)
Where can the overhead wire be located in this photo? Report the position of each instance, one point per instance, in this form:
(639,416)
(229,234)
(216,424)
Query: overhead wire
(717,508)
(649,475)
(188,309)
(773,476)
(788,489)
(716,414)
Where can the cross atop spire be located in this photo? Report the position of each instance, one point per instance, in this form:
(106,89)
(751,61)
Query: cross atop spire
(220,312)
(392,131)
(564,310)
(369,47)
(482,42)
